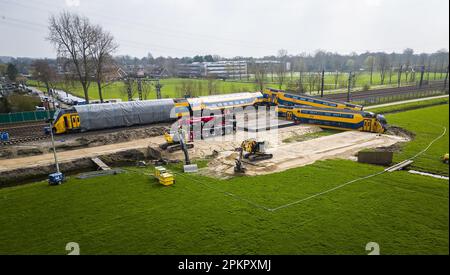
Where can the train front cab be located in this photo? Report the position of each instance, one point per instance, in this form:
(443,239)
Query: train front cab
(66,121)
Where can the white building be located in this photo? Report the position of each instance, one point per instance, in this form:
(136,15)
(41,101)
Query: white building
(219,69)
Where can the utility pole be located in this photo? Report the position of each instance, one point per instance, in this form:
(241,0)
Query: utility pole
(129,90)
(140,88)
(158,87)
(446,79)
(349,86)
(58,177)
(400,75)
(323,81)
(422,71)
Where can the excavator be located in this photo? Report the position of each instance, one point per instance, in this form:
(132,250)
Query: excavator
(254,151)
(173,143)
(176,142)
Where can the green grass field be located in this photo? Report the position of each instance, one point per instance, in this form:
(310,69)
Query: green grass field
(410,106)
(173,87)
(131,214)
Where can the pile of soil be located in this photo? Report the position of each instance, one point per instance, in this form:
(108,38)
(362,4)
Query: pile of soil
(9,152)
(401,132)
(113,137)
(79,141)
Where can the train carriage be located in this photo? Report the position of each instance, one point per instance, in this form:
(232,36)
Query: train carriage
(124,114)
(335,118)
(279,97)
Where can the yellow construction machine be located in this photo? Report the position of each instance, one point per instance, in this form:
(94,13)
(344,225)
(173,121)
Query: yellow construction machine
(163,176)
(445,158)
(253,151)
(173,143)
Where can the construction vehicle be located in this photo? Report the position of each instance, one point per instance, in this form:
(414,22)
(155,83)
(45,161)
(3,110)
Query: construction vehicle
(445,158)
(253,151)
(173,143)
(56,178)
(163,176)
(337,119)
(273,97)
(188,167)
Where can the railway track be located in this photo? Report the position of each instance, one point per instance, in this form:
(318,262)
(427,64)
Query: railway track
(34,131)
(24,132)
(358,96)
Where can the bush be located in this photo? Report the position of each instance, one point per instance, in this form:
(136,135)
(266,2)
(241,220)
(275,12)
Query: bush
(366,87)
(19,103)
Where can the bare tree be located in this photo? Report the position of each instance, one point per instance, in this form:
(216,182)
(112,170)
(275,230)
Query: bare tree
(101,51)
(44,73)
(408,53)
(128,88)
(147,88)
(370,64)
(212,85)
(281,68)
(259,69)
(73,36)
(383,63)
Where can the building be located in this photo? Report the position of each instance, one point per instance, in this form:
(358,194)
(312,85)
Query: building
(219,69)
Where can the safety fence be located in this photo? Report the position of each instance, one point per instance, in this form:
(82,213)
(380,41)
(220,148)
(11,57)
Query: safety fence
(25,116)
(381,99)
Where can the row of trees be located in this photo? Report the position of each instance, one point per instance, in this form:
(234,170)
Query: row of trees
(284,66)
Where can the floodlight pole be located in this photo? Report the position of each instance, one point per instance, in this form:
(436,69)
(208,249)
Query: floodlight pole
(53,139)
(54,149)
(349,86)
(323,82)
(422,71)
(446,79)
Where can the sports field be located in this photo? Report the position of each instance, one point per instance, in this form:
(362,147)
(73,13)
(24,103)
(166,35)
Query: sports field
(131,213)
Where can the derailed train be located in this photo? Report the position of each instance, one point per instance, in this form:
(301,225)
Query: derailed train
(124,114)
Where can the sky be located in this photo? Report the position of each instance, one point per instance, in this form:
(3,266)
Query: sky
(231,28)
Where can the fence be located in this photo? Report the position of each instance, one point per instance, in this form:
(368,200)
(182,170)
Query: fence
(24,116)
(380,99)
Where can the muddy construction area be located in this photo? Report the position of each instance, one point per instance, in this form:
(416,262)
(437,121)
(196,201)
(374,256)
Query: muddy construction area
(125,147)
(344,145)
(82,140)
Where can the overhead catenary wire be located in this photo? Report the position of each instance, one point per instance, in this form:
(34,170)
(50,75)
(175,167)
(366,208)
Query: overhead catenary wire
(144,27)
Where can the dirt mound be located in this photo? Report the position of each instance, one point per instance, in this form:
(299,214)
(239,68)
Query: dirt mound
(401,132)
(124,157)
(81,140)
(19,151)
(28,174)
(116,137)
(397,147)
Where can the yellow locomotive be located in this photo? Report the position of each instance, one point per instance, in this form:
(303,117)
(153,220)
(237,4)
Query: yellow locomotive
(65,121)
